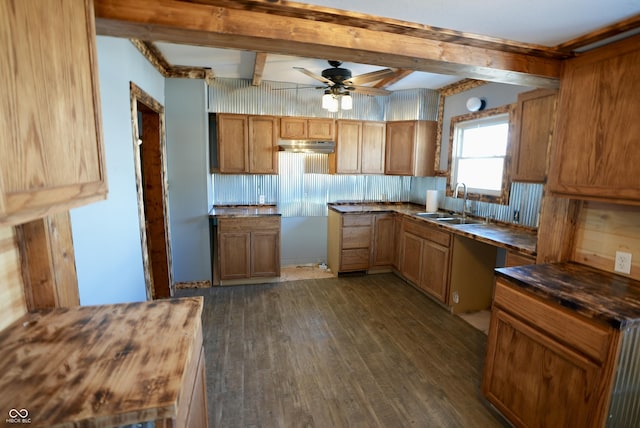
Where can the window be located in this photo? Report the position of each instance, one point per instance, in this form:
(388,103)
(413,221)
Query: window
(479,147)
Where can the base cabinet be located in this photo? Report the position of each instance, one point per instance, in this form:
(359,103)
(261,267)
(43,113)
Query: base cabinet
(546,366)
(248,247)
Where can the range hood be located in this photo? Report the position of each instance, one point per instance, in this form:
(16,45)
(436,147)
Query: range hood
(307,146)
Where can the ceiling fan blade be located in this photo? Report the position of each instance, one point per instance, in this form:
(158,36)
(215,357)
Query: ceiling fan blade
(314,76)
(299,87)
(374,76)
(366,90)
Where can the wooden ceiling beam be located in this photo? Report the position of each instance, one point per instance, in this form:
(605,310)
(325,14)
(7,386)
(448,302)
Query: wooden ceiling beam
(207,25)
(396,77)
(616,29)
(258,68)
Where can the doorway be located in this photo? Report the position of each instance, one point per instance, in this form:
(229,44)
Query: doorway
(147,116)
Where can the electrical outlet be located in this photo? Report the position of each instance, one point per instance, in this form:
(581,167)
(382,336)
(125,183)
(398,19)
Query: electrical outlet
(623,262)
(261,199)
(455,297)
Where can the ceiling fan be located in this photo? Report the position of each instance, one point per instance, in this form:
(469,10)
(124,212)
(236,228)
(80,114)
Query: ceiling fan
(339,81)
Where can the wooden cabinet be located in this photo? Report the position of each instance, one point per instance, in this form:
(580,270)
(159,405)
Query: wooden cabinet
(359,148)
(425,258)
(359,242)
(247,144)
(301,128)
(514,258)
(531,134)
(410,147)
(51,148)
(595,150)
(248,247)
(96,362)
(540,355)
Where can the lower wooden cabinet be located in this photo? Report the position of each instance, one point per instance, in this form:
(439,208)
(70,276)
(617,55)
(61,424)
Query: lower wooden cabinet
(248,247)
(383,244)
(426,257)
(546,366)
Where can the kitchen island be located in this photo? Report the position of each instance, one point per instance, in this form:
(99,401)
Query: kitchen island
(563,347)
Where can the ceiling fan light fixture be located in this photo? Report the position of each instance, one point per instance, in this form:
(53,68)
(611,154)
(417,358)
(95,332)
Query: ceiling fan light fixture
(346,102)
(334,105)
(326,99)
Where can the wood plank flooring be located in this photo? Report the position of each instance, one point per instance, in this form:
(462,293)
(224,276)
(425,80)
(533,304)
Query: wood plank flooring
(367,351)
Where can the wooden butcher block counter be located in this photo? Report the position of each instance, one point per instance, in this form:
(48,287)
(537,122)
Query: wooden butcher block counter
(105,366)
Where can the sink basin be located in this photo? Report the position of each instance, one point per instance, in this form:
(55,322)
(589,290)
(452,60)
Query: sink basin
(434,215)
(457,220)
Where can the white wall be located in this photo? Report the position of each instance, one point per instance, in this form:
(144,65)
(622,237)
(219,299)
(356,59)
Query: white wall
(189,181)
(303,240)
(106,235)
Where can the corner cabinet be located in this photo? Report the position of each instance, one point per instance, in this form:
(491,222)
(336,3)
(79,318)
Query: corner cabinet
(532,132)
(247,144)
(596,152)
(51,148)
(410,147)
(360,148)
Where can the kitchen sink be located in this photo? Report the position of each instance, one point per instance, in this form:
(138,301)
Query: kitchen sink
(434,215)
(457,220)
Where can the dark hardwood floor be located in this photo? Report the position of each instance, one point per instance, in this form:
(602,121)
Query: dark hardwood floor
(367,351)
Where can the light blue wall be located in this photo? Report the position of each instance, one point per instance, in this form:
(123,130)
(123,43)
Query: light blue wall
(189,180)
(303,240)
(106,235)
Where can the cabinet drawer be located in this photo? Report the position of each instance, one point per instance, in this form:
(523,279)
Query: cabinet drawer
(356,220)
(356,237)
(572,329)
(356,259)
(428,232)
(247,224)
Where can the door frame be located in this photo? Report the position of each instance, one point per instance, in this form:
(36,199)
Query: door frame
(137,95)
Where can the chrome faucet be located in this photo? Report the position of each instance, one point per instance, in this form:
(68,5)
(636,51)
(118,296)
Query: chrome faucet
(464,197)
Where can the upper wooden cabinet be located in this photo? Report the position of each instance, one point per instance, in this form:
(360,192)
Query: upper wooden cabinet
(596,152)
(410,147)
(300,128)
(359,148)
(51,149)
(532,131)
(247,144)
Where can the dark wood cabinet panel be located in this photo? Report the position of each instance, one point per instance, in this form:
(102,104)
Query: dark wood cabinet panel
(410,147)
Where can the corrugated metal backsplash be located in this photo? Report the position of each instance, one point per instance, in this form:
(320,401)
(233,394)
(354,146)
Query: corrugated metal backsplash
(290,99)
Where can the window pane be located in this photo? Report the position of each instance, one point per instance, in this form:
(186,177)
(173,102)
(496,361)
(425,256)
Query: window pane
(490,140)
(481,173)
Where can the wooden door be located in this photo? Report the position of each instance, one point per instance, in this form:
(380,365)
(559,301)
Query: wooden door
(321,129)
(293,128)
(235,255)
(383,251)
(373,147)
(596,138)
(52,155)
(411,259)
(233,143)
(435,270)
(532,132)
(536,381)
(400,147)
(347,156)
(265,253)
(263,140)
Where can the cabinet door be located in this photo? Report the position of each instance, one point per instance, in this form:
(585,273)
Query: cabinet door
(533,128)
(235,255)
(383,251)
(233,143)
(293,128)
(265,253)
(373,144)
(348,147)
(411,258)
(321,129)
(51,149)
(263,140)
(400,146)
(536,381)
(596,140)
(435,270)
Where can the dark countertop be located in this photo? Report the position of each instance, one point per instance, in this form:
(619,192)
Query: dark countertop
(218,211)
(500,235)
(597,294)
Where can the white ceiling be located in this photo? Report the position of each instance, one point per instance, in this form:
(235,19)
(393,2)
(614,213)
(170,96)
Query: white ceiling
(541,22)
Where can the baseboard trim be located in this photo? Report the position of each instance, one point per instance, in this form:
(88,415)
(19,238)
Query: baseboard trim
(193,284)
